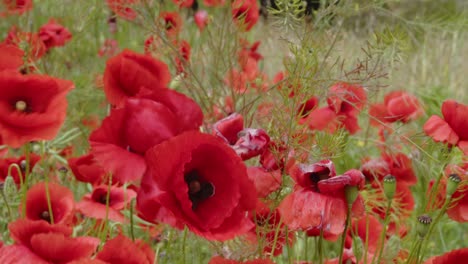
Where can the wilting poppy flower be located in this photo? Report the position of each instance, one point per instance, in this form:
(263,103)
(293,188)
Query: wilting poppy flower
(265,182)
(12,57)
(18,6)
(106,202)
(221,260)
(128,72)
(172,22)
(397,106)
(123,8)
(59,197)
(196,180)
(274,156)
(32,107)
(54,35)
(201,19)
(453,129)
(29,42)
(452,257)
(21,162)
(87,169)
(121,249)
(245,13)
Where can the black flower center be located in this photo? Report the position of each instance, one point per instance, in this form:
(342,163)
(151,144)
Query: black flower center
(315,177)
(45,215)
(198,189)
(102,199)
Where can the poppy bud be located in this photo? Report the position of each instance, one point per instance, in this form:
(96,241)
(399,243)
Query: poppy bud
(452,184)
(423,226)
(389,185)
(9,188)
(351,193)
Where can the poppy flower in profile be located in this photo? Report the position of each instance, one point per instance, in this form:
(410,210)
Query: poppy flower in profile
(59,197)
(12,57)
(128,72)
(106,202)
(198,181)
(87,169)
(453,129)
(201,19)
(121,249)
(32,107)
(123,8)
(453,257)
(172,22)
(229,127)
(17,6)
(397,106)
(6,163)
(54,35)
(245,13)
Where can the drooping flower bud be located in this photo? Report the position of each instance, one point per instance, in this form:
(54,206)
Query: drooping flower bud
(452,184)
(423,226)
(389,185)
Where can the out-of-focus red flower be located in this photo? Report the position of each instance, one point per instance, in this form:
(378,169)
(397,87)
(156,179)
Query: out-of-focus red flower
(12,57)
(21,162)
(458,210)
(106,202)
(60,199)
(128,72)
(229,127)
(183,57)
(453,129)
(452,257)
(172,22)
(201,19)
(123,8)
(32,107)
(121,249)
(17,6)
(87,169)
(221,260)
(54,35)
(124,136)
(265,182)
(211,3)
(109,48)
(245,13)
(372,235)
(396,164)
(30,43)
(197,180)
(237,80)
(397,106)
(183,3)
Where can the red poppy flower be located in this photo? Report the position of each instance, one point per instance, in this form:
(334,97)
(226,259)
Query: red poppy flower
(305,108)
(245,13)
(32,107)
(458,210)
(196,180)
(109,48)
(87,169)
(123,8)
(396,164)
(221,260)
(54,35)
(183,3)
(452,257)
(106,202)
(251,143)
(128,72)
(201,19)
(18,6)
(265,182)
(172,22)
(59,197)
(368,228)
(229,127)
(121,249)
(397,106)
(29,42)
(183,57)
(21,162)
(12,57)
(453,129)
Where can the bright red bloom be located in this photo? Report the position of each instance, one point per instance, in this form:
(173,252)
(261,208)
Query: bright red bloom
(172,22)
(61,202)
(265,182)
(229,127)
(396,164)
(183,3)
(251,143)
(87,169)
(201,19)
(458,210)
(453,257)
(54,35)
(123,8)
(221,260)
(197,180)
(397,106)
(128,72)
(453,129)
(106,202)
(245,13)
(18,6)
(21,162)
(183,57)
(12,57)
(124,136)
(121,249)
(32,107)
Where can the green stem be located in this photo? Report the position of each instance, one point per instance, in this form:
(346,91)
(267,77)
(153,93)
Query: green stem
(132,232)
(384,232)
(320,247)
(183,245)
(343,237)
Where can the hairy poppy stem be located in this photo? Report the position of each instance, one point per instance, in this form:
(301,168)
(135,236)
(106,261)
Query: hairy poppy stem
(345,231)
(384,232)
(49,203)
(7,205)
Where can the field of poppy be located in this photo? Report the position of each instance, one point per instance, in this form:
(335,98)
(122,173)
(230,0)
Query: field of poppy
(242,131)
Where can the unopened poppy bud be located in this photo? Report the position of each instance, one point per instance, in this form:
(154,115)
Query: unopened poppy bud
(423,226)
(389,185)
(452,184)
(351,193)
(391,249)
